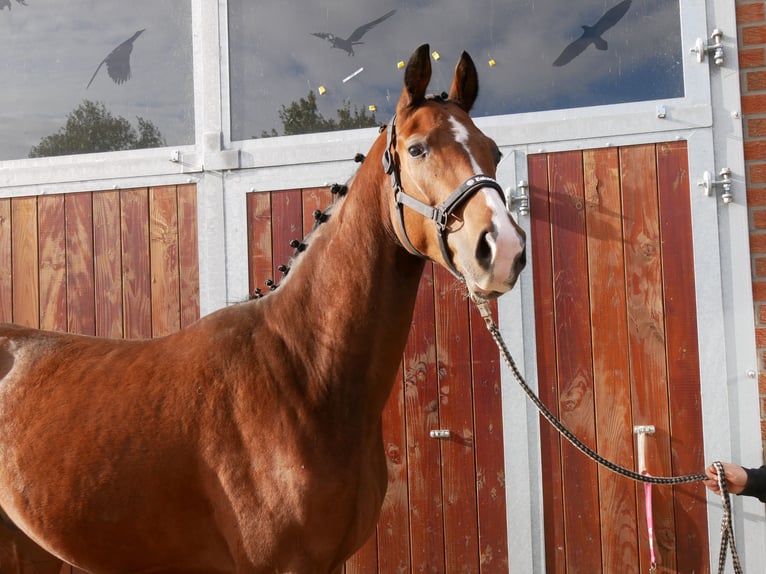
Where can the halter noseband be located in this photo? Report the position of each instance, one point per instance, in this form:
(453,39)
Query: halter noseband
(439,214)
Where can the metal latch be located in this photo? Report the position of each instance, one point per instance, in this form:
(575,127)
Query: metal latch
(521,199)
(709,184)
(714,44)
(439,433)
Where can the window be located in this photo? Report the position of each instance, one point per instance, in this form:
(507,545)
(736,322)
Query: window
(292,67)
(85,76)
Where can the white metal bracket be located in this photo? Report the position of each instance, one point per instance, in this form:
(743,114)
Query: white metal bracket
(521,199)
(708,184)
(714,45)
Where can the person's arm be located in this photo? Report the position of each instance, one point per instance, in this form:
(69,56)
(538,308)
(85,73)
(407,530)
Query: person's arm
(756,483)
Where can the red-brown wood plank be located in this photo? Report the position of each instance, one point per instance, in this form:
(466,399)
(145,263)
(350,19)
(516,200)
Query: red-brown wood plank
(682,354)
(259,240)
(163,245)
(455,414)
(550,442)
(393,526)
(188,254)
(365,561)
(24,268)
(136,273)
(53,283)
(490,469)
(315,198)
(6,263)
(286,225)
(611,366)
(107,263)
(421,396)
(646,328)
(574,360)
(81,289)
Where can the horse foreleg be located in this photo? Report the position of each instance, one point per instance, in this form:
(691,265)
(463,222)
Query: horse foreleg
(19,555)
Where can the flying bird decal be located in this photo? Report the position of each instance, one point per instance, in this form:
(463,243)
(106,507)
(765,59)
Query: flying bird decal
(353,40)
(592,34)
(118,61)
(4,3)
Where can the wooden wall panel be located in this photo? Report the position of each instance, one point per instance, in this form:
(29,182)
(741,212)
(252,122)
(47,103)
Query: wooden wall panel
(81,287)
(647,331)
(634,325)
(550,441)
(136,271)
(6,263)
(690,503)
(107,255)
(611,366)
(53,272)
(574,364)
(163,245)
(188,256)
(259,243)
(286,225)
(456,415)
(421,395)
(489,449)
(25,262)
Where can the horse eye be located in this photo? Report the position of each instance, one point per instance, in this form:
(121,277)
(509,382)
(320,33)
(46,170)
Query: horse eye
(417,150)
(498,156)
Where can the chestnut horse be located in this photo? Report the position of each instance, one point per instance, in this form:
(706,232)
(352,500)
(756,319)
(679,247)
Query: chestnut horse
(251,440)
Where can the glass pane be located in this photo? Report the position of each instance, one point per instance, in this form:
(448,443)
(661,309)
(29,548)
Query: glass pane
(92,75)
(293,67)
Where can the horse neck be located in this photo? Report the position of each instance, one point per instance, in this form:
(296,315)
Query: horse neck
(346,306)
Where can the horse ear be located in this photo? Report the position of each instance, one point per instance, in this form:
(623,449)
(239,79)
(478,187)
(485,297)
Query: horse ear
(417,74)
(465,83)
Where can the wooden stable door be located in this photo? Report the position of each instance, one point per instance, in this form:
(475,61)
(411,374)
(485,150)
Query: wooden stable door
(445,506)
(616,334)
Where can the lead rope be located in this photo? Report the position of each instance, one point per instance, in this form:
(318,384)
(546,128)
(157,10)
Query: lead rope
(727,532)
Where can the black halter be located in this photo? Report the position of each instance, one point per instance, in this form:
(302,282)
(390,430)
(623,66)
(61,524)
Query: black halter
(439,214)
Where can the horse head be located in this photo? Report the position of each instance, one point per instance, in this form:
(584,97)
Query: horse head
(447,206)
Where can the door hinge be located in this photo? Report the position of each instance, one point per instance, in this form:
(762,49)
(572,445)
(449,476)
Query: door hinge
(708,184)
(713,45)
(521,199)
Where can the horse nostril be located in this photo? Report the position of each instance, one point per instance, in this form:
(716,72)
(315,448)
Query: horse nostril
(485,250)
(521,261)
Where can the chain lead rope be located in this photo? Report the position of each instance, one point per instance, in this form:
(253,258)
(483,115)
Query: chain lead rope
(727,531)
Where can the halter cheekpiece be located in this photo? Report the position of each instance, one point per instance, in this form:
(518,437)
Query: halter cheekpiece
(440,214)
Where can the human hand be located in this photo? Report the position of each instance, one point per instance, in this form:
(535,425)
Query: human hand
(736,478)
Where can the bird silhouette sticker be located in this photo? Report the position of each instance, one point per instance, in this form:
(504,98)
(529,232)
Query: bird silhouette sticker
(4,3)
(118,61)
(348,44)
(592,34)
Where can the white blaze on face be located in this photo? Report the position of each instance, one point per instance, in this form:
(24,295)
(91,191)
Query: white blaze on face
(506,244)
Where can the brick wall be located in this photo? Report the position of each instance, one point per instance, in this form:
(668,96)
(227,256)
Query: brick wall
(751,28)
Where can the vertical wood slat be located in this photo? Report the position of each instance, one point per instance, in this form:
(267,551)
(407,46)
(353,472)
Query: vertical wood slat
(107,255)
(550,442)
(6,263)
(393,525)
(81,289)
(163,246)
(25,265)
(682,354)
(136,272)
(647,334)
(53,275)
(421,395)
(188,256)
(259,242)
(455,413)
(610,357)
(574,365)
(489,449)
(286,225)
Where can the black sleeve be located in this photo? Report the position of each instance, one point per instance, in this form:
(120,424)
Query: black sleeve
(756,483)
